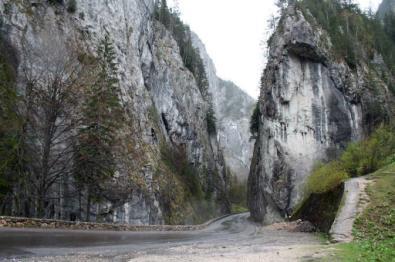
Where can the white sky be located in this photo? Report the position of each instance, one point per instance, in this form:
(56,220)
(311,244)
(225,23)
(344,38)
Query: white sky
(234,32)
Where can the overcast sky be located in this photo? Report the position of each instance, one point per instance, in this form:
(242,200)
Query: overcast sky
(234,32)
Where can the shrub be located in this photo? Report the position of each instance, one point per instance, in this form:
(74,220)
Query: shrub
(72,6)
(176,160)
(54,2)
(326,177)
(369,155)
(358,159)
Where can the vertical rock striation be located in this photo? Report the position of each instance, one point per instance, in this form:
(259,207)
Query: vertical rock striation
(312,104)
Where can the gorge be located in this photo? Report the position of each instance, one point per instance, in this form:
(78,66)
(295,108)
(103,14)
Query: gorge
(120,141)
(165,143)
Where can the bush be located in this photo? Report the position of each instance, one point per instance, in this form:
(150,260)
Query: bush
(54,2)
(176,160)
(369,155)
(326,177)
(72,6)
(358,159)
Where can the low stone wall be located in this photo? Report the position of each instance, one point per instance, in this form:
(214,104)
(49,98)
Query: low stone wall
(20,222)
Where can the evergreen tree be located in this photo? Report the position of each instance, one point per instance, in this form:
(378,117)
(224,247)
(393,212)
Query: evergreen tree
(254,121)
(389,25)
(211,120)
(102,116)
(164,13)
(182,34)
(10,126)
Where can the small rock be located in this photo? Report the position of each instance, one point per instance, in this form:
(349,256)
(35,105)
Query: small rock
(304,226)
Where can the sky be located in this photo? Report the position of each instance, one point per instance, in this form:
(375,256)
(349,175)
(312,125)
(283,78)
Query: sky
(234,33)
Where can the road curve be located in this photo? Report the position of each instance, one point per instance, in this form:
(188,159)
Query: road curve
(235,232)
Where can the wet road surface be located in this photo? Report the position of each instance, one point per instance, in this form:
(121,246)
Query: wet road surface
(235,230)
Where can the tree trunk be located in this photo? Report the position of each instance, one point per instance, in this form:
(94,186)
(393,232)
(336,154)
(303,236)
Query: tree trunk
(88,205)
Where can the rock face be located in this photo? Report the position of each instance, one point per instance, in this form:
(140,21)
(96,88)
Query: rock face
(163,105)
(233,109)
(311,106)
(386,6)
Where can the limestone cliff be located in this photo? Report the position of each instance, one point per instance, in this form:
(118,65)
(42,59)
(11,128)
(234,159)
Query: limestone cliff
(386,7)
(164,109)
(312,104)
(233,108)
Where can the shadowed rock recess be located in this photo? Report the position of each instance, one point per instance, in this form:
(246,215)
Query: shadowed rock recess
(312,104)
(165,114)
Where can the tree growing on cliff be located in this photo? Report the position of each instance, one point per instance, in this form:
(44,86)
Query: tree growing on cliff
(254,121)
(102,116)
(211,120)
(182,34)
(52,75)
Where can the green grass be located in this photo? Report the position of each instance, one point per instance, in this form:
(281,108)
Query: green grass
(374,230)
(359,158)
(237,209)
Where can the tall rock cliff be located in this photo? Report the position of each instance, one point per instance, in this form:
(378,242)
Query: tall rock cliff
(233,108)
(313,102)
(165,131)
(386,7)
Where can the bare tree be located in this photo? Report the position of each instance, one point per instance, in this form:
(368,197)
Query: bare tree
(52,77)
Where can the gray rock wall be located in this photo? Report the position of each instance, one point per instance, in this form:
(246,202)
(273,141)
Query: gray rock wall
(233,109)
(163,104)
(312,105)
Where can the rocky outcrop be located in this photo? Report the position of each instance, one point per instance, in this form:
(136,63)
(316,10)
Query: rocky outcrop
(163,106)
(233,109)
(312,104)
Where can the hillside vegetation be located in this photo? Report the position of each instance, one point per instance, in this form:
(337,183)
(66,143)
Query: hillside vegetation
(374,230)
(356,36)
(360,158)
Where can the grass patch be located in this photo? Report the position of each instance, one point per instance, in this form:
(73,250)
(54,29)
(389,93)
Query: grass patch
(326,177)
(238,209)
(374,230)
(360,158)
(237,194)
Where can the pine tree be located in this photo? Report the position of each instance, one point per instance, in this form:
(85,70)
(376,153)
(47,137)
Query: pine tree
(211,119)
(164,14)
(254,121)
(102,116)
(10,125)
